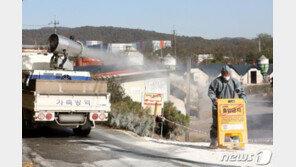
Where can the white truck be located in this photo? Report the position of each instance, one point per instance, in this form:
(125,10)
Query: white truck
(66,103)
(59,97)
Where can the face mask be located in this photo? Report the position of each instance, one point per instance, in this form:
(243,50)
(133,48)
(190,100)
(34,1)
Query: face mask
(227,78)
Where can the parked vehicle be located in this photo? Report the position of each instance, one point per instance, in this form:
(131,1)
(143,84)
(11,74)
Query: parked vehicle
(60,97)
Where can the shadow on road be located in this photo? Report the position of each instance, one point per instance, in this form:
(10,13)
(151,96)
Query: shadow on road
(48,133)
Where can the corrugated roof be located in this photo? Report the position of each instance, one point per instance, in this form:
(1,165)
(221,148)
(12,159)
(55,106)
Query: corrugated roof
(242,69)
(134,73)
(211,70)
(214,70)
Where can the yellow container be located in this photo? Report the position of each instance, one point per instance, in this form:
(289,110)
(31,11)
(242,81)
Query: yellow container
(232,122)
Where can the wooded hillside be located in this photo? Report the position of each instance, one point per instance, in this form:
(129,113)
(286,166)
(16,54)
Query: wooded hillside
(236,48)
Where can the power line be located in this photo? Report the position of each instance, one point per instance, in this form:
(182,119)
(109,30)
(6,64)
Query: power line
(34,25)
(55,23)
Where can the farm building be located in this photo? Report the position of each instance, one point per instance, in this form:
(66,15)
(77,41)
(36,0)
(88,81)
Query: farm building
(135,83)
(248,74)
(93,44)
(133,57)
(200,77)
(170,62)
(204,74)
(117,47)
(202,57)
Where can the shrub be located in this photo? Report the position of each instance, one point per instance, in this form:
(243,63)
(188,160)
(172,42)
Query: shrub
(129,115)
(170,130)
(125,113)
(116,91)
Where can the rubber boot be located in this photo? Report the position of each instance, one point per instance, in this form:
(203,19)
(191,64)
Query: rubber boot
(213,144)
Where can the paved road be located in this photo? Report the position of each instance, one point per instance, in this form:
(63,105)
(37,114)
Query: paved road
(109,147)
(259,117)
(103,147)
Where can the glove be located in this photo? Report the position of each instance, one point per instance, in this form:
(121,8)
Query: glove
(215,101)
(245,99)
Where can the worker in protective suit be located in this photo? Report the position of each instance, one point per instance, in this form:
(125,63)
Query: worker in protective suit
(223,87)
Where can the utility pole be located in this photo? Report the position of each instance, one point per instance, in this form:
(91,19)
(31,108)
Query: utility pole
(175,44)
(55,23)
(259,43)
(162,115)
(161,56)
(187,102)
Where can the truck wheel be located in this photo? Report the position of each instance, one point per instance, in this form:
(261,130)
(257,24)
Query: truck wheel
(24,127)
(79,132)
(83,130)
(26,124)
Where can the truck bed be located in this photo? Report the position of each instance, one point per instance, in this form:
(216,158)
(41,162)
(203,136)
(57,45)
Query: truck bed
(66,95)
(67,86)
(71,102)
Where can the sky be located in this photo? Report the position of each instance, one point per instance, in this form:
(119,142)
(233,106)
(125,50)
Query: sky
(210,19)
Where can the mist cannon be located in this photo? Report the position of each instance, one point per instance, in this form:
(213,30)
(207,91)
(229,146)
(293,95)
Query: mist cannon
(62,46)
(57,44)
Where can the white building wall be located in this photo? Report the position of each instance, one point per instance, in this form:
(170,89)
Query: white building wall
(93,43)
(200,77)
(202,57)
(170,61)
(203,79)
(179,104)
(136,89)
(117,47)
(135,58)
(235,75)
(34,61)
(246,79)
